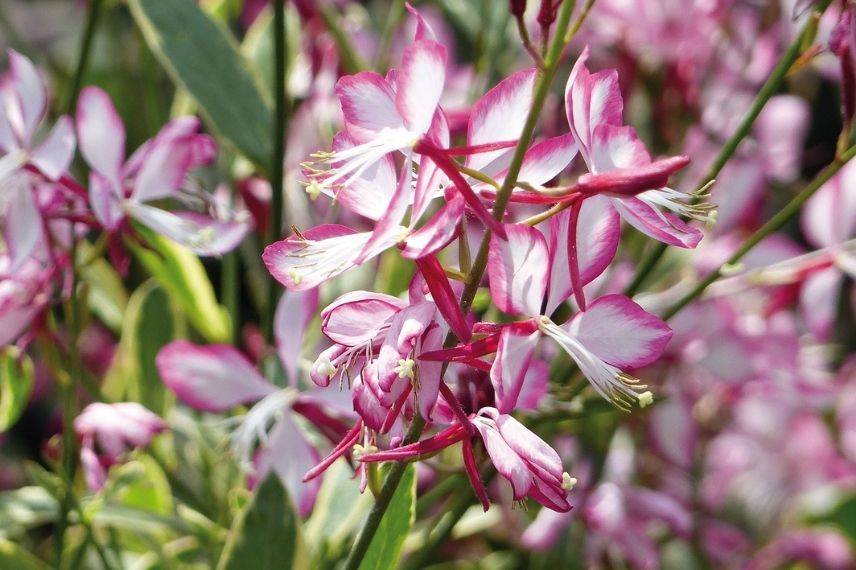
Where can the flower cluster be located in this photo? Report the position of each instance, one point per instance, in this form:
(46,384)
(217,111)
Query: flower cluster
(537,254)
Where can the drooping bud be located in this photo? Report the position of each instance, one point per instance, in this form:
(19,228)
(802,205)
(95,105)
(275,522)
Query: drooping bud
(517,7)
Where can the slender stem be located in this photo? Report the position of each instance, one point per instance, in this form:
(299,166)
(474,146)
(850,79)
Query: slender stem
(791,209)
(276,168)
(230,285)
(396,12)
(542,88)
(83,57)
(390,484)
(73,319)
(351,60)
(441,532)
(770,87)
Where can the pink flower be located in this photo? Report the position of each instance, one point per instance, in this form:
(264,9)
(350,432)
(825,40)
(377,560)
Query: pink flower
(621,170)
(374,191)
(377,340)
(25,164)
(157,170)
(527,277)
(533,468)
(108,431)
(24,294)
(828,222)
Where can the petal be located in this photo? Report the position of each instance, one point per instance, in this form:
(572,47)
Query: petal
(420,83)
(430,374)
(616,147)
(304,261)
(504,458)
(518,270)
(536,383)
(210,378)
(673,431)
(105,201)
(780,130)
(370,193)
(357,317)
(819,296)
(529,446)
(499,116)
(164,169)
(388,229)
(100,133)
(199,233)
(290,455)
(620,332)
(598,234)
(368,105)
(31,93)
(547,159)
(23,231)
(54,154)
(829,217)
(207,236)
(438,232)
(294,312)
(513,356)
(423,29)
(662,226)
(591,100)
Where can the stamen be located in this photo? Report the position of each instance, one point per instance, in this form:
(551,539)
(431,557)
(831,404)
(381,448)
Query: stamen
(568,482)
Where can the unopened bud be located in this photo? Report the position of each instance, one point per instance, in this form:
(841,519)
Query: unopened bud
(517,7)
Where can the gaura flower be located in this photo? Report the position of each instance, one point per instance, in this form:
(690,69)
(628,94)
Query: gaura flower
(620,168)
(309,258)
(107,432)
(377,340)
(528,277)
(533,468)
(120,188)
(269,437)
(23,163)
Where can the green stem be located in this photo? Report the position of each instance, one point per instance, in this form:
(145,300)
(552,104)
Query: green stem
(277,180)
(390,484)
(396,13)
(790,210)
(542,88)
(770,87)
(351,60)
(441,532)
(73,319)
(83,56)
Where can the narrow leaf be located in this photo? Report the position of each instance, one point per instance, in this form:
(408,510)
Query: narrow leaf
(149,325)
(183,277)
(203,59)
(266,534)
(385,548)
(16,384)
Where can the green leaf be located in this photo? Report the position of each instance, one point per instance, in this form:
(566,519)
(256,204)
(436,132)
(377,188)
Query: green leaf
(203,59)
(266,534)
(25,508)
(147,488)
(338,510)
(13,556)
(149,325)
(385,548)
(16,384)
(107,296)
(184,278)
